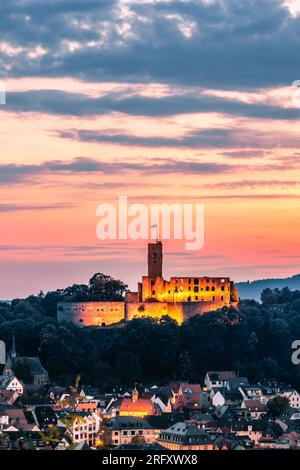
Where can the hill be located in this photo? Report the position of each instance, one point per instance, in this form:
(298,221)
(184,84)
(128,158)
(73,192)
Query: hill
(253,289)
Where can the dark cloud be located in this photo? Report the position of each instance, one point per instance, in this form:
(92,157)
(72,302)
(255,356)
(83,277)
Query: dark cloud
(76,104)
(13,173)
(232,44)
(217,138)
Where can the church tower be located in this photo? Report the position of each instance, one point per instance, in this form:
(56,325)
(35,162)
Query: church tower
(155,259)
(135,394)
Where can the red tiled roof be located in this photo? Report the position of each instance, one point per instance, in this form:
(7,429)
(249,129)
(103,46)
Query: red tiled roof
(143,405)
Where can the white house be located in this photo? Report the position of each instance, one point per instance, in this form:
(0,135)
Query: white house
(10,382)
(218,379)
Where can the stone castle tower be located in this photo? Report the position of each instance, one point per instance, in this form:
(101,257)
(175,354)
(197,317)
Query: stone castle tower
(155,260)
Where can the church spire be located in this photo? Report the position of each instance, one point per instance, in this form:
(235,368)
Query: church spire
(13,352)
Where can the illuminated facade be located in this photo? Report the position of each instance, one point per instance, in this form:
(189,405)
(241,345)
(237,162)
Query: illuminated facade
(137,407)
(179,297)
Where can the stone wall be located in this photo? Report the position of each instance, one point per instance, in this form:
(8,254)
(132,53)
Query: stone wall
(179,311)
(91,313)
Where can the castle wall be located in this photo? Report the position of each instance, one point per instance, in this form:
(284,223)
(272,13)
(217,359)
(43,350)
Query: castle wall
(187,289)
(179,311)
(91,313)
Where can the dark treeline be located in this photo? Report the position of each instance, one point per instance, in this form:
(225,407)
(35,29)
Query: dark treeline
(255,341)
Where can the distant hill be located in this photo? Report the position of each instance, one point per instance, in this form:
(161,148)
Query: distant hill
(253,289)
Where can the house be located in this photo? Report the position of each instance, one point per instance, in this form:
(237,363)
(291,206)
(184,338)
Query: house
(190,396)
(137,407)
(293,396)
(163,397)
(8,397)
(38,373)
(221,396)
(184,436)
(84,427)
(218,379)
(289,418)
(14,419)
(251,392)
(218,397)
(237,382)
(288,441)
(255,408)
(127,429)
(9,382)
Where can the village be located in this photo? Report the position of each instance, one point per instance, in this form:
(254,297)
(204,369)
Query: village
(222,412)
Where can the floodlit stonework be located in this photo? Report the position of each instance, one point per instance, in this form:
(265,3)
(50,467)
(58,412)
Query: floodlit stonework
(180,298)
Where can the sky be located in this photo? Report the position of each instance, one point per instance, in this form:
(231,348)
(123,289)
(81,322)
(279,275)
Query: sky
(182,101)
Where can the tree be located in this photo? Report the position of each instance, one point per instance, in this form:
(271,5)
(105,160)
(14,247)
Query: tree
(103,287)
(23,372)
(277,405)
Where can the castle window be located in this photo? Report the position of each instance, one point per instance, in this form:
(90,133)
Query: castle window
(196,281)
(207,280)
(189,298)
(222,298)
(189,288)
(196,289)
(213,288)
(169,292)
(214,298)
(190,280)
(153,292)
(207,288)
(222,288)
(196,297)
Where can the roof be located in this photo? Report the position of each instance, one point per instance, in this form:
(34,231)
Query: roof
(34,363)
(163,421)
(184,433)
(221,375)
(142,405)
(127,422)
(255,405)
(190,388)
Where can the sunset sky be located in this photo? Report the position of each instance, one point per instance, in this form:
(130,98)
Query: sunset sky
(162,101)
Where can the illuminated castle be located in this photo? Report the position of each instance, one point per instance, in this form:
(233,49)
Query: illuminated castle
(180,298)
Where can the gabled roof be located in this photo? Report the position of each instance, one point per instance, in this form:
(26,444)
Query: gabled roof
(255,405)
(221,375)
